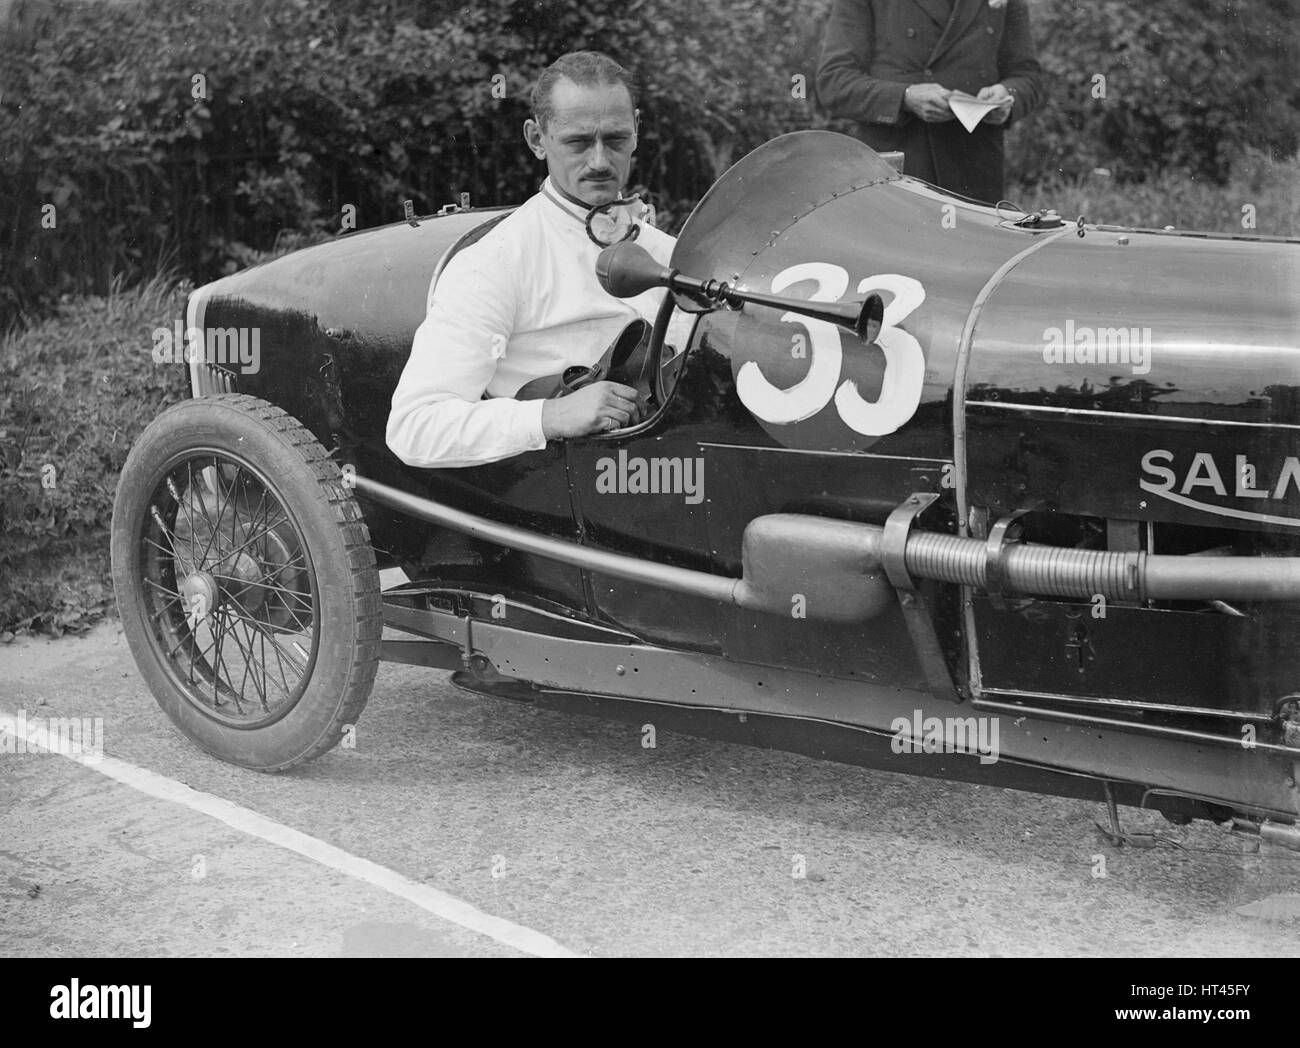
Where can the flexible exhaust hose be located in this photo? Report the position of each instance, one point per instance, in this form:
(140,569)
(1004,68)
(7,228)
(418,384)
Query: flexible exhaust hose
(1116,575)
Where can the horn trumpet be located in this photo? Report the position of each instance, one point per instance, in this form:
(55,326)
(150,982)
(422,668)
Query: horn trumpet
(626,269)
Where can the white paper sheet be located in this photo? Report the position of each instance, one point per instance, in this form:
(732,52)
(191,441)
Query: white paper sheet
(968,109)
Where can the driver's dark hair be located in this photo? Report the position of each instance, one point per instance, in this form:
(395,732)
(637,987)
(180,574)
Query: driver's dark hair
(584,68)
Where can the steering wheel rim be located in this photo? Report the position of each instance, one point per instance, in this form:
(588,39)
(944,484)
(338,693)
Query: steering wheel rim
(655,351)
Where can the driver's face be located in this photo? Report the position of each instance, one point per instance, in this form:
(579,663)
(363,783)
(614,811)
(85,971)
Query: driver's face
(588,143)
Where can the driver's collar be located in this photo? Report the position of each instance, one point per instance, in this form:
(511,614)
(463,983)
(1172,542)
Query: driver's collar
(562,200)
(610,225)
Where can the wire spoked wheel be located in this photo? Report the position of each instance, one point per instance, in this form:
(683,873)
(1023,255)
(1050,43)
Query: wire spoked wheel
(229,580)
(246,581)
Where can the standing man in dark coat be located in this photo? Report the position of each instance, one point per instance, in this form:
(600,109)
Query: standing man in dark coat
(891,65)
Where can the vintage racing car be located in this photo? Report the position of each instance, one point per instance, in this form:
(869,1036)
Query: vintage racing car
(935,487)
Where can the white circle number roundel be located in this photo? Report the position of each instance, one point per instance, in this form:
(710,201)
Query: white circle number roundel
(904,378)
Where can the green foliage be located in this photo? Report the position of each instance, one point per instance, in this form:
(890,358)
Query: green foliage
(65,589)
(1189,86)
(1174,198)
(75,391)
(301,107)
(306,107)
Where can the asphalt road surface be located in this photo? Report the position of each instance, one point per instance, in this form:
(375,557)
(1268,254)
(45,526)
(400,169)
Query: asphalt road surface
(465,826)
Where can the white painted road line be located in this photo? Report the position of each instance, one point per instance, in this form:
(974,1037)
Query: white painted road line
(440,904)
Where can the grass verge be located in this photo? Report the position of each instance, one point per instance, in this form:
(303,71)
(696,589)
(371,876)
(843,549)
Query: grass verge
(75,390)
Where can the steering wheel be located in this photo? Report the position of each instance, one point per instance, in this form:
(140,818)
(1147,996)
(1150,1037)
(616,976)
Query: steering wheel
(642,365)
(635,358)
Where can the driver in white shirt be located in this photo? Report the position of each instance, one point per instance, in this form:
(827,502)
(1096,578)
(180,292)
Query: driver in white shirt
(523,302)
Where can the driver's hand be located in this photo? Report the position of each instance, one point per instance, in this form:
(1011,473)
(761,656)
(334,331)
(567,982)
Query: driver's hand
(598,408)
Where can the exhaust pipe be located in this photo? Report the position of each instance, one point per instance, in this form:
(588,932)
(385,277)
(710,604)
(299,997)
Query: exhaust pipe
(841,565)
(1051,571)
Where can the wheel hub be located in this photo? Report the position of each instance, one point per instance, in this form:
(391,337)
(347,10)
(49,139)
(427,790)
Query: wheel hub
(256,570)
(200,595)
(239,572)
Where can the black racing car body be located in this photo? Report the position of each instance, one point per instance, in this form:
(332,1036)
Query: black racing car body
(1038,526)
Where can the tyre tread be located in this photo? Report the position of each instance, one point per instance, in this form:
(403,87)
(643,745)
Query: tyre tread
(367,627)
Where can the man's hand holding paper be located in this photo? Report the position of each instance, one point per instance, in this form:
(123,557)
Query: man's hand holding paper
(993,103)
(1003,97)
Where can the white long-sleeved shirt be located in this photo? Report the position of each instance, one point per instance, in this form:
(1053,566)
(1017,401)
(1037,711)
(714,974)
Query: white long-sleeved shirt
(520,304)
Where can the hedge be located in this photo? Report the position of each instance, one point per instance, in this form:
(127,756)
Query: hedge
(200,132)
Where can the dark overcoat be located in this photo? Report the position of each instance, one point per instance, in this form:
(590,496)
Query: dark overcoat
(873,49)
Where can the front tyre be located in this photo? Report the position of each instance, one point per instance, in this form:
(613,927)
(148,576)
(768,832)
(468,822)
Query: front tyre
(246,581)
